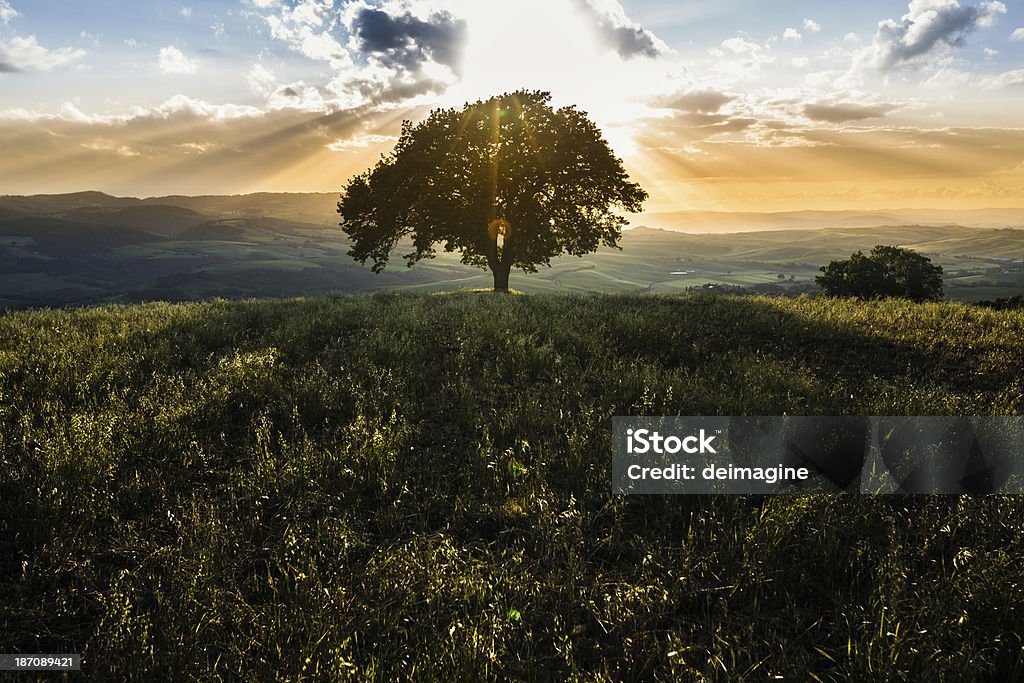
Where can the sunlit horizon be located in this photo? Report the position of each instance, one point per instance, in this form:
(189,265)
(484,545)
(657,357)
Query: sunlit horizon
(715,106)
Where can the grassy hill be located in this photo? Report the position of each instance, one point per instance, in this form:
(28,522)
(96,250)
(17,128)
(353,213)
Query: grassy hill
(411,486)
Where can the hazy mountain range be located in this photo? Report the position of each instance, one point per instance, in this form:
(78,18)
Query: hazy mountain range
(158,213)
(318,208)
(722,221)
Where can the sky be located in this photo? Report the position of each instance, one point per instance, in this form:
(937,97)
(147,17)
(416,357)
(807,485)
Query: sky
(712,104)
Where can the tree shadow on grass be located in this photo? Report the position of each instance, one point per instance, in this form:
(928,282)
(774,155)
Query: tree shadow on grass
(860,349)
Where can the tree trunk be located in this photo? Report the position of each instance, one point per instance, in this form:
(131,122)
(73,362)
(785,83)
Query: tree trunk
(501,272)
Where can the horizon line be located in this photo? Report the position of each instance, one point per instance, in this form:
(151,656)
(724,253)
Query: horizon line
(643,213)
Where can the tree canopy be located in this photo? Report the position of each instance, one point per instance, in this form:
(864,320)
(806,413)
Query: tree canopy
(886,272)
(510,182)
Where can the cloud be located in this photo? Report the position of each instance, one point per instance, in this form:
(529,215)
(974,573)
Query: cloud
(741,58)
(104,145)
(383,52)
(1018,34)
(1004,80)
(377,86)
(397,52)
(791,34)
(404,41)
(812,26)
(184,146)
(673,134)
(173,61)
(173,108)
(299,96)
(950,79)
(741,46)
(261,81)
(306,28)
(841,112)
(24,53)
(7,12)
(702,101)
(380,52)
(182,104)
(851,38)
(806,157)
(360,142)
(186,12)
(618,31)
(928,27)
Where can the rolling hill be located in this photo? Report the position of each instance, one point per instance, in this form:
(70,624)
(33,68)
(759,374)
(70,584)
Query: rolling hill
(316,209)
(89,248)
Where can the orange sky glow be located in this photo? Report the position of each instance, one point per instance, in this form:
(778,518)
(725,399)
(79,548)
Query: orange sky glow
(715,106)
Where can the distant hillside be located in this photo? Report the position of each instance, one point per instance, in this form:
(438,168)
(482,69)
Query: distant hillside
(62,235)
(161,219)
(314,208)
(7,214)
(319,209)
(821,245)
(89,248)
(41,204)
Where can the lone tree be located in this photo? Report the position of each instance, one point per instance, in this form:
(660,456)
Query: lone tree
(510,182)
(885,272)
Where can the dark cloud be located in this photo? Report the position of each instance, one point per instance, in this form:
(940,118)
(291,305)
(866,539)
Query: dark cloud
(927,26)
(400,90)
(628,39)
(397,88)
(405,41)
(840,112)
(8,68)
(701,101)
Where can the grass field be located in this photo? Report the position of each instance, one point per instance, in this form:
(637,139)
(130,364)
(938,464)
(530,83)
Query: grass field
(417,486)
